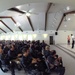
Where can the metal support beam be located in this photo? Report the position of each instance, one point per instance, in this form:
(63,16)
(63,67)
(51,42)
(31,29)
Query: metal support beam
(30,23)
(60,22)
(3,30)
(15,23)
(64,15)
(46,14)
(6,26)
(12,20)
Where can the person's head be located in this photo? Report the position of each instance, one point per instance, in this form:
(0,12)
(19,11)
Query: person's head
(47,48)
(53,52)
(56,56)
(71,34)
(26,51)
(31,44)
(68,36)
(12,47)
(60,58)
(43,41)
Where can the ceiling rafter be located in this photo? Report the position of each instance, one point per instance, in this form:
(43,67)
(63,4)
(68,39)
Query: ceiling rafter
(3,30)
(30,22)
(22,12)
(12,20)
(15,23)
(6,26)
(46,14)
(60,22)
(5,16)
(70,12)
(64,15)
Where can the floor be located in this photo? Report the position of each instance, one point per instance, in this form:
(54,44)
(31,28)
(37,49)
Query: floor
(17,73)
(68,49)
(68,62)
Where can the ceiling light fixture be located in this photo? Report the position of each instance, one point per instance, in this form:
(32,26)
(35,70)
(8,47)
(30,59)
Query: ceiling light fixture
(15,24)
(18,7)
(69,19)
(68,8)
(23,10)
(18,24)
(27,14)
(14,31)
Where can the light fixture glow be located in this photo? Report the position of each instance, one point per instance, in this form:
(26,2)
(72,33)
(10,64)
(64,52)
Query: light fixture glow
(1,38)
(20,37)
(14,31)
(30,37)
(18,7)
(69,19)
(68,8)
(18,24)
(27,14)
(45,35)
(24,11)
(12,37)
(6,38)
(34,35)
(15,24)
(16,36)
(24,36)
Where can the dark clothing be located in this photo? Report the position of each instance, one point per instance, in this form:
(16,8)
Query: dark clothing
(14,65)
(27,61)
(43,45)
(12,54)
(3,62)
(68,42)
(5,50)
(46,53)
(34,66)
(42,66)
(51,59)
(58,68)
(4,59)
(73,44)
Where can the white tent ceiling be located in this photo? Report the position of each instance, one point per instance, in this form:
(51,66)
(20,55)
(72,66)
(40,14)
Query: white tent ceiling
(39,7)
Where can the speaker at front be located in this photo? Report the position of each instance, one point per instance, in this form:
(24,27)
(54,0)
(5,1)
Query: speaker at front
(56,33)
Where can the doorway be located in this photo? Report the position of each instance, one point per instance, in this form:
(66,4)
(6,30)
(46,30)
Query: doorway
(51,40)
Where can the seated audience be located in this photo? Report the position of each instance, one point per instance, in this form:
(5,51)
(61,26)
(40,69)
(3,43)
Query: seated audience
(47,51)
(34,57)
(55,63)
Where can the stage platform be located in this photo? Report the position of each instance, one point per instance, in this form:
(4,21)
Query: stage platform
(68,47)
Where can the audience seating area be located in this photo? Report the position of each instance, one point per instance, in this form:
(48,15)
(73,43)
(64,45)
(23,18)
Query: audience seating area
(34,57)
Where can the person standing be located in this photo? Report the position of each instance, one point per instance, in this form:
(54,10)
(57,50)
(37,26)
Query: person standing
(68,40)
(72,41)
